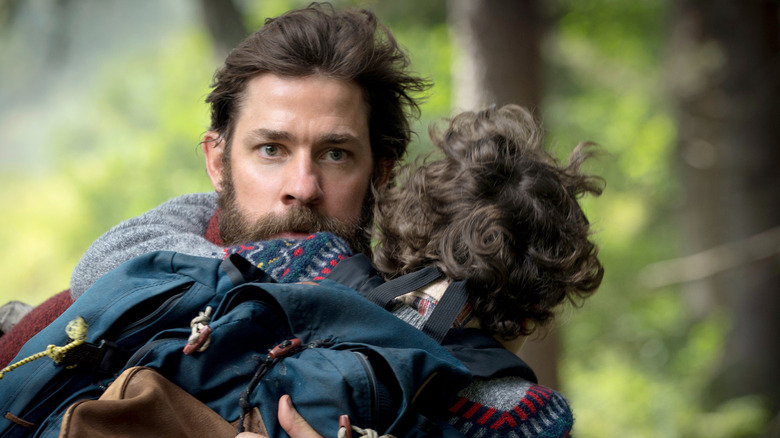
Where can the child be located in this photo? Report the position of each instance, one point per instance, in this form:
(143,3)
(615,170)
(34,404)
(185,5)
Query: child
(499,212)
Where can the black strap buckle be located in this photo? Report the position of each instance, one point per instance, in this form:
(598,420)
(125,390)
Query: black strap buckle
(104,358)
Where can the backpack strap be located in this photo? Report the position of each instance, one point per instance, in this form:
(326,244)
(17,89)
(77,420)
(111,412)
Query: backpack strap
(357,273)
(240,270)
(446,311)
(385,293)
(484,356)
(443,315)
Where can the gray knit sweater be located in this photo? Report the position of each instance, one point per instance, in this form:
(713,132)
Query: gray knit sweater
(177,225)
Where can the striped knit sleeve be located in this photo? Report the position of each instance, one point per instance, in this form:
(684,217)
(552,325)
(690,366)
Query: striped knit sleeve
(537,412)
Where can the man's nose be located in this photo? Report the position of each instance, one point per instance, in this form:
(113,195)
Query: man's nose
(302,185)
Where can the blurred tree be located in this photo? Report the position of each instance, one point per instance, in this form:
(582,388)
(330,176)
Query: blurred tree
(499,62)
(102,132)
(725,75)
(225,23)
(7,11)
(499,59)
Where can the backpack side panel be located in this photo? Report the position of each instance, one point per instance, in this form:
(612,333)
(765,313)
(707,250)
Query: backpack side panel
(124,306)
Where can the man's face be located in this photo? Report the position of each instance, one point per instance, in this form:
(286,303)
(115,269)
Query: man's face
(300,160)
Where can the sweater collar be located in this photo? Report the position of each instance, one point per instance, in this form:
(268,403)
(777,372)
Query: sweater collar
(212,230)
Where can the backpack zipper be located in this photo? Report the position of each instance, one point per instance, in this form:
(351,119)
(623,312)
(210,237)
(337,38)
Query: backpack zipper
(164,307)
(106,356)
(372,386)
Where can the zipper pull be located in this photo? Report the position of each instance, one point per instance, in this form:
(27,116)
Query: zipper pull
(345,427)
(285,348)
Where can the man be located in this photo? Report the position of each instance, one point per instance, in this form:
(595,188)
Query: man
(307,114)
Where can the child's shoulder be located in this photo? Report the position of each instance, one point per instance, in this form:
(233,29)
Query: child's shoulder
(511,406)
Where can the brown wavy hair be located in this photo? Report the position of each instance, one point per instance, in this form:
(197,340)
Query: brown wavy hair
(350,45)
(498,211)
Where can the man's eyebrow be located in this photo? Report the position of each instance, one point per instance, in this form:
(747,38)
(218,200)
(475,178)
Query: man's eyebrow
(336,138)
(269,134)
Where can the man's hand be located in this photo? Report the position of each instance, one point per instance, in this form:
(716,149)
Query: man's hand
(291,422)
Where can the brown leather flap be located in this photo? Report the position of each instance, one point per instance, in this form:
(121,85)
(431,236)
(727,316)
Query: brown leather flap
(142,403)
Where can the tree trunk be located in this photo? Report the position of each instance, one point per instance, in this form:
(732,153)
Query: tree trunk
(498,62)
(725,77)
(225,24)
(498,59)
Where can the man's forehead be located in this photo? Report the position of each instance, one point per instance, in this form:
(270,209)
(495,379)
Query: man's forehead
(289,84)
(269,103)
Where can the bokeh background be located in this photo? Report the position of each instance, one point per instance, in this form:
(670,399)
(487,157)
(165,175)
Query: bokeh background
(101,113)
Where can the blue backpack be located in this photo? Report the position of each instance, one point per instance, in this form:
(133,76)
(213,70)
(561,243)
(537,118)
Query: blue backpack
(331,349)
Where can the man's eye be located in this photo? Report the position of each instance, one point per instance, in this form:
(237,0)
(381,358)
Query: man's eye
(337,154)
(269,150)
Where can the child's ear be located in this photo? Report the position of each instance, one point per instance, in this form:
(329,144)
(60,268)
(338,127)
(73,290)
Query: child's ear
(384,169)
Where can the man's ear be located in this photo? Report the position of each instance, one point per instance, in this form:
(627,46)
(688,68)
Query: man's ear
(384,169)
(214,149)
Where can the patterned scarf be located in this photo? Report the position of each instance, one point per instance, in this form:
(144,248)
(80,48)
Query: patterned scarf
(291,261)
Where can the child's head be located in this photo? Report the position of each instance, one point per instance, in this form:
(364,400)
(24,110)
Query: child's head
(499,211)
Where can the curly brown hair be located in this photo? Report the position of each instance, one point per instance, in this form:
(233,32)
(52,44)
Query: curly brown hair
(498,211)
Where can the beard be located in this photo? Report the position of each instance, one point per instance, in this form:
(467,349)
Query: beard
(235,228)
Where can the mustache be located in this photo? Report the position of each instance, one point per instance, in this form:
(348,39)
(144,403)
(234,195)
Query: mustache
(295,220)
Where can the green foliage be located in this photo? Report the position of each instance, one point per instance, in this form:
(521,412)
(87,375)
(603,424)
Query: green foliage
(636,363)
(132,143)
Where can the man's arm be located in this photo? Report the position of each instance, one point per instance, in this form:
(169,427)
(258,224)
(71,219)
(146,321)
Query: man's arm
(177,225)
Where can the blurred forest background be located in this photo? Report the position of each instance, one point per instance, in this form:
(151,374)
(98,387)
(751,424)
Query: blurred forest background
(101,112)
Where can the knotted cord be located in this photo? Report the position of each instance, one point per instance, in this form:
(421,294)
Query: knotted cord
(76,331)
(367,433)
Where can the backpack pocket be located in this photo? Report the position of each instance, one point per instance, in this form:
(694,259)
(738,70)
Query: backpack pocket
(325,383)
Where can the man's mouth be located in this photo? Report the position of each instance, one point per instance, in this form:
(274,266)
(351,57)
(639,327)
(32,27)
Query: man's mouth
(291,235)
